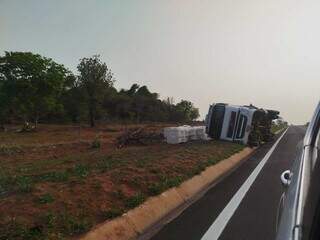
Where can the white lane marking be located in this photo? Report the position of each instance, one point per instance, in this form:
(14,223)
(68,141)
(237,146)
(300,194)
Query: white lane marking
(221,221)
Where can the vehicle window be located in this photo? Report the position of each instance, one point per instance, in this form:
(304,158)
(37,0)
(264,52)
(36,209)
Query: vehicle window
(242,126)
(239,127)
(231,124)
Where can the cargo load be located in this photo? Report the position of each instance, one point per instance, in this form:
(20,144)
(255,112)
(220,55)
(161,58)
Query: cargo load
(175,135)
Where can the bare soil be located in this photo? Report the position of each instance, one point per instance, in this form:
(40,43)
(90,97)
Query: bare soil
(54,185)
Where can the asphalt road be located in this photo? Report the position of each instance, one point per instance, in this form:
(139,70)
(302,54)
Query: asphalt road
(254,215)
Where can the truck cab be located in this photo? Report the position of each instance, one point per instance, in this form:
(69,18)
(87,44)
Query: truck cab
(243,124)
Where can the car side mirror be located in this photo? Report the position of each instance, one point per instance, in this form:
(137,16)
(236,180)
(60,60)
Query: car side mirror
(286,178)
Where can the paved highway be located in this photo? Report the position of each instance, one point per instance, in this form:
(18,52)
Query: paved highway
(242,206)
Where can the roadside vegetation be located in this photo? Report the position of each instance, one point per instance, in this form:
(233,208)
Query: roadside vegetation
(57,181)
(62,170)
(56,184)
(35,89)
(278,125)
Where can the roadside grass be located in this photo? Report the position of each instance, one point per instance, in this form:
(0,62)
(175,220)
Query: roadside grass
(277,127)
(106,184)
(45,198)
(62,176)
(111,213)
(24,184)
(106,163)
(23,181)
(81,170)
(6,182)
(135,200)
(55,226)
(164,184)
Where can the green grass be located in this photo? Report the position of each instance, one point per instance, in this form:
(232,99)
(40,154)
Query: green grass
(6,183)
(277,127)
(45,198)
(24,184)
(62,176)
(73,225)
(112,213)
(23,180)
(164,184)
(57,226)
(16,230)
(81,170)
(135,200)
(106,164)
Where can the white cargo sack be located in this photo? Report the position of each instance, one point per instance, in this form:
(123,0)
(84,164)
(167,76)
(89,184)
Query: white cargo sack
(175,135)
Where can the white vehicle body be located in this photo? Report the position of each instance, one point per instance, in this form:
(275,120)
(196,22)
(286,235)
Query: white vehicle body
(234,123)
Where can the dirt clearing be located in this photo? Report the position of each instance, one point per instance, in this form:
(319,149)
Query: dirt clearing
(55,185)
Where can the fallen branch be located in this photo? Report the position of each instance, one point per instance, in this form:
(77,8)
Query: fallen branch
(138,136)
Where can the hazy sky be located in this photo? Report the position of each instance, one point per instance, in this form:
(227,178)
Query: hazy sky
(249,51)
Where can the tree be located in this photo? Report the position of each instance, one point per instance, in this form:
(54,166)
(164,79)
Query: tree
(95,78)
(189,111)
(4,106)
(31,84)
(73,101)
(143,105)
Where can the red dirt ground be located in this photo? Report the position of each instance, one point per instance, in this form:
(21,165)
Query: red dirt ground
(55,186)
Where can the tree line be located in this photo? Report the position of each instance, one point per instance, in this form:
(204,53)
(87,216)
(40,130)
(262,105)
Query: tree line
(34,88)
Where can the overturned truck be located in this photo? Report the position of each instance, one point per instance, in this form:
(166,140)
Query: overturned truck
(244,124)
